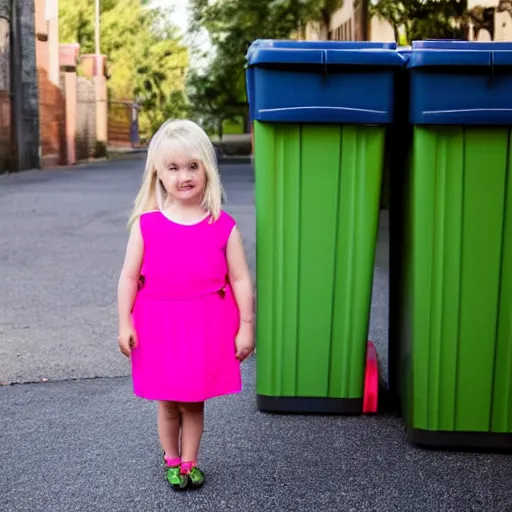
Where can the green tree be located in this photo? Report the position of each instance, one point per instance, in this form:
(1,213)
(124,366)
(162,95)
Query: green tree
(213,100)
(482,18)
(147,61)
(423,19)
(322,11)
(395,13)
(232,25)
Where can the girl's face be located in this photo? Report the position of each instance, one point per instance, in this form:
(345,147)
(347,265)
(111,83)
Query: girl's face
(183,177)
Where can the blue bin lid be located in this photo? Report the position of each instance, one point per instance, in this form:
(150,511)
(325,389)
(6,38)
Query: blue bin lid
(405,52)
(460,53)
(323,53)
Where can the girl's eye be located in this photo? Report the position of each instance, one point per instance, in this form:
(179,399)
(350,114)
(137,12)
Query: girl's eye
(173,169)
(194,166)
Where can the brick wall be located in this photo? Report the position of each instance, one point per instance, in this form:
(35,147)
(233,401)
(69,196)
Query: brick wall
(51,98)
(51,119)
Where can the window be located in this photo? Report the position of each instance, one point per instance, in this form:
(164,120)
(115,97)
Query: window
(342,33)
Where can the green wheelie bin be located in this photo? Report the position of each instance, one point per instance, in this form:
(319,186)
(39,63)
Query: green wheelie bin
(320,112)
(453,272)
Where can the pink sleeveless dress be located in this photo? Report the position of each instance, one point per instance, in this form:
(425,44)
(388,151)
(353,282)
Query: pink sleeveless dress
(185,313)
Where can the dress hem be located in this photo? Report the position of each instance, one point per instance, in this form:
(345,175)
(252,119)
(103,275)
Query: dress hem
(146,396)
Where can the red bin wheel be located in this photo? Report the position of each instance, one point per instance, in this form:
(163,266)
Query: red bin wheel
(371,381)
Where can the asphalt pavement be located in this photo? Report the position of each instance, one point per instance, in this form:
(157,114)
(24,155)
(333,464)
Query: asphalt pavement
(74,438)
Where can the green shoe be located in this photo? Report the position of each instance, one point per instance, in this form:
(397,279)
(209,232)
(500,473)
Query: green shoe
(177,480)
(196,478)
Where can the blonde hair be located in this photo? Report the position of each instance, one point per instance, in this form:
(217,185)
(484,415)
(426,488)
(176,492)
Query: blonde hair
(193,138)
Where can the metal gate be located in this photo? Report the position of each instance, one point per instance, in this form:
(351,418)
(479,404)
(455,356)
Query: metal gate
(121,129)
(6,132)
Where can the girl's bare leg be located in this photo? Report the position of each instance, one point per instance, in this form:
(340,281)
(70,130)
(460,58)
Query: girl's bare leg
(192,422)
(169,419)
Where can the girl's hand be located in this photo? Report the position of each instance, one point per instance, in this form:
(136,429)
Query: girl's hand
(127,339)
(244,343)
(127,289)
(240,279)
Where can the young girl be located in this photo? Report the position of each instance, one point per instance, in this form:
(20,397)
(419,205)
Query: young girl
(185,297)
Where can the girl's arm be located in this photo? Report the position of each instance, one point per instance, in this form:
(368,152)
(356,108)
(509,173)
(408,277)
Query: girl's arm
(240,278)
(129,278)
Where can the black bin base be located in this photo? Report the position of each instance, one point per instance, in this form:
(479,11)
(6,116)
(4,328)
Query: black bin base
(460,440)
(309,405)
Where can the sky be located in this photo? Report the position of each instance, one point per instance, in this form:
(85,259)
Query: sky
(200,41)
(180,14)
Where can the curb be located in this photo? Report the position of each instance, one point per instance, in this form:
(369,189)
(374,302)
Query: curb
(235,160)
(114,156)
(121,154)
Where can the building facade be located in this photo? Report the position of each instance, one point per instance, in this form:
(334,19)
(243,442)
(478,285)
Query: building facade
(48,114)
(500,15)
(346,24)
